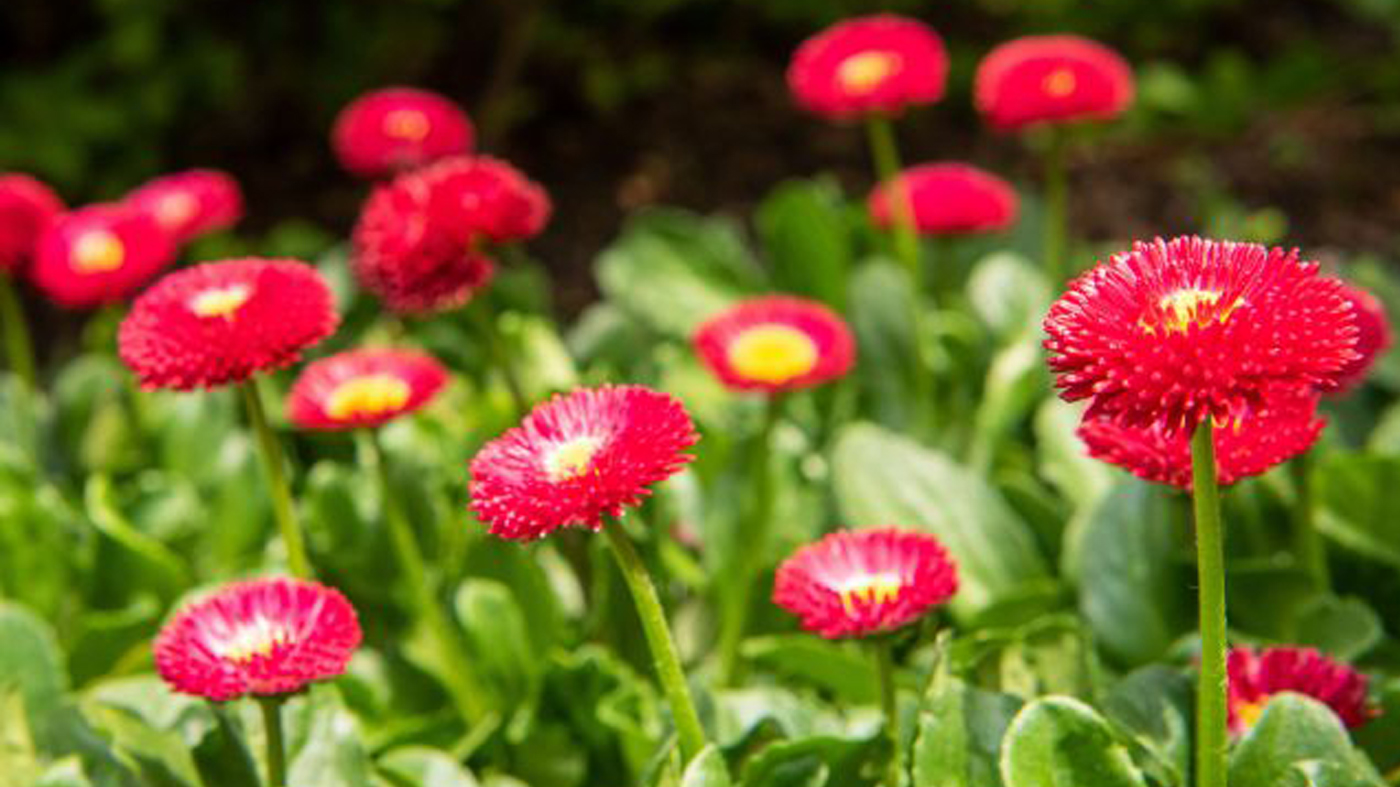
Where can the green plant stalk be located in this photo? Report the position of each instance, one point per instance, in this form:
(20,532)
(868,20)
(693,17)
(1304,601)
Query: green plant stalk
(486,324)
(18,347)
(659,640)
(276,743)
(889,706)
(274,464)
(1211,693)
(1056,210)
(1307,542)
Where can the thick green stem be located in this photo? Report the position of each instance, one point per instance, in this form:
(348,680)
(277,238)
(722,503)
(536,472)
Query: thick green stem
(1211,693)
(1056,209)
(1307,542)
(276,745)
(18,347)
(889,706)
(658,635)
(499,356)
(278,489)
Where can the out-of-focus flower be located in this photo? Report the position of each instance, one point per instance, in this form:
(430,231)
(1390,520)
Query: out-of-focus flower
(395,129)
(488,199)
(265,637)
(577,458)
(872,64)
(190,204)
(947,199)
(221,322)
(363,388)
(27,207)
(1052,79)
(863,582)
(1372,340)
(99,254)
(1176,331)
(776,343)
(1256,676)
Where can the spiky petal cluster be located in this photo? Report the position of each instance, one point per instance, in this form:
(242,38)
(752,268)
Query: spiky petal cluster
(221,322)
(881,63)
(1287,426)
(363,388)
(398,128)
(99,254)
(265,637)
(776,343)
(1372,340)
(1051,79)
(1255,676)
(863,582)
(946,198)
(191,203)
(1176,331)
(27,207)
(577,458)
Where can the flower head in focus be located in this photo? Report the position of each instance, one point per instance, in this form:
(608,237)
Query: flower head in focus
(395,129)
(1040,80)
(882,63)
(27,207)
(99,254)
(190,204)
(776,343)
(1256,676)
(363,388)
(947,199)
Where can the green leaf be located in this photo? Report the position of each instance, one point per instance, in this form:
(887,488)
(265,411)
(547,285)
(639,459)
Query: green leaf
(149,557)
(818,761)
(30,661)
(420,766)
(1009,294)
(1061,742)
(1015,381)
(1360,503)
(498,641)
(832,666)
(1346,628)
(960,735)
(1294,737)
(708,769)
(67,772)
(881,304)
(806,233)
(324,742)
(1154,704)
(1062,459)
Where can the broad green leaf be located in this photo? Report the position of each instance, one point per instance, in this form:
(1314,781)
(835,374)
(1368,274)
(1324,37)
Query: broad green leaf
(960,735)
(1296,735)
(539,355)
(844,671)
(708,769)
(325,745)
(1062,459)
(18,759)
(881,303)
(1360,503)
(150,558)
(67,772)
(1154,704)
(1344,627)
(1016,379)
(498,641)
(31,662)
(1009,294)
(160,756)
(1061,742)
(817,762)
(421,766)
(807,236)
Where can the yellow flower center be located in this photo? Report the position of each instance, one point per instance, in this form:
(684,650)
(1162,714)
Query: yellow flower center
(221,301)
(1059,83)
(863,73)
(1190,306)
(367,396)
(175,209)
(870,589)
(256,638)
(772,353)
(98,251)
(406,124)
(1249,712)
(571,459)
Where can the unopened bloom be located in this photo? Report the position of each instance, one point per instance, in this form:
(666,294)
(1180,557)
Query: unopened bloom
(265,637)
(221,322)
(862,582)
(99,254)
(1052,79)
(1256,676)
(946,199)
(27,207)
(363,388)
(579,457)
(1181,330)
(396,129)
(190,204)
(871,64)
(776,343)
(1372,339)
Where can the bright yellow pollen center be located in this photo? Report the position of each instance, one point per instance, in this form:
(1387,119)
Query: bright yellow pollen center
(221,301)
(257,638)
(98,251)
(572,459)
(175,210)
(863,73)
(1186,307)
(1060,83)
(367,396)
(772,353)
(1249,712)
(870,589)
(407,124)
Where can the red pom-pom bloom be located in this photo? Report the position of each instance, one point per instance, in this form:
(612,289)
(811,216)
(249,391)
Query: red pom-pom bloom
(27,207)
(1372,340)
(221,322)
(1052,79)
(266,637)
(190,204)
(489,199)
(1174,332)
(579,457)
(399,128)
(871,64)
(863,582)
(776,343)
(947,199)
(99,254)
(1287,426)
(363,388)
(1257,676)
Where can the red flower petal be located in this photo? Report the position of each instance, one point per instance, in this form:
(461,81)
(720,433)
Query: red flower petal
(27,207)
(190,204)
(880,63)
(363,388)
(776,343)
(1052,79)
(1372,340)
(1257,676)
(99,254)
(396,129)
(948,199)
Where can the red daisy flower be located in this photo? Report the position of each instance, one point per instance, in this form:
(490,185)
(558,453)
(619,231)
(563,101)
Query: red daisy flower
(1372,339)
(363,388)
(578,458)
(99,254)
(489,197)
(265,637)
(27,207)
(1175,331)
(1052,79)
(220,322)
(396,129)
(776,343)
(881,63)
(862,582)
(1255,677)
(1287,426)
(947,199)
(192,203)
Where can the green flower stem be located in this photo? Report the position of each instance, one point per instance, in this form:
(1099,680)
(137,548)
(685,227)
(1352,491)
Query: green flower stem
(276,745)
(1307,542)
(18,347)
(889,706)
(658,635)
(499,356)
(274,464)
(458,676)
(1056,209)
(1211,697)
